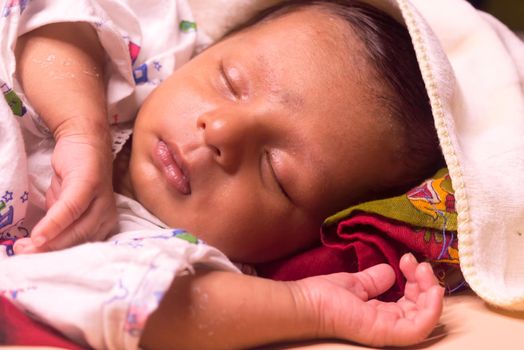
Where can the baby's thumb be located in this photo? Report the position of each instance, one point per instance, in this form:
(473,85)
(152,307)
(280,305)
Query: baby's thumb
(62,213)
(376,279)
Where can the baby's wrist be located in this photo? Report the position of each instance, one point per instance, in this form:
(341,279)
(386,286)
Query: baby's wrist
(309,314)
(92,129)
(92,140)
(80,125)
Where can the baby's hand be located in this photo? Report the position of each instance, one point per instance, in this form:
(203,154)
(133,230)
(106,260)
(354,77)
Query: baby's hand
(344,303)
(80,200)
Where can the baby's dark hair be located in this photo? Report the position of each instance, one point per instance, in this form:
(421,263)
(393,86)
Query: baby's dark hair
(389,50)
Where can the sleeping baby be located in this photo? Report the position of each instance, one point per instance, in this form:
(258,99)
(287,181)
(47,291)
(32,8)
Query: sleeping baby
(305,109)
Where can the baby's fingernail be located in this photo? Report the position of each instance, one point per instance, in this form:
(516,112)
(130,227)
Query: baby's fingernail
(426,265)
(19,247)
(38,241)
(411,258)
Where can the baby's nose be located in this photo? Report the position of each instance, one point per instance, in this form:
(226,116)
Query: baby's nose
(229,136)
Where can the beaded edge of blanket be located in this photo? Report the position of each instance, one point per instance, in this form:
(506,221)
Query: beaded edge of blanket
(479,124)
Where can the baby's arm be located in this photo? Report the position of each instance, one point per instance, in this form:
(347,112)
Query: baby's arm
(221,310)
(60,67)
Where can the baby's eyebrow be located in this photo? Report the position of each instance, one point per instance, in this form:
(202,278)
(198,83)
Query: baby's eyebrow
(291,100)
(285,97)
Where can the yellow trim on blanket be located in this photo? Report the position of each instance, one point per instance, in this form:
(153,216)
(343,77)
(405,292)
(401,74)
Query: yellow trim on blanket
(463,218)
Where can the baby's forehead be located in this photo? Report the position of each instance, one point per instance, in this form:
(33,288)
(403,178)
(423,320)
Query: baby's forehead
(317,18)
(333,38)
(330,49)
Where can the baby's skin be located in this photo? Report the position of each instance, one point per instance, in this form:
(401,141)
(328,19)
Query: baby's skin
(265,134)
(219,310)
(80,200)
(213,309)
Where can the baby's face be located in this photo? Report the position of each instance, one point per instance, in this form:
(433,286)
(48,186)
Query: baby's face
(255,141)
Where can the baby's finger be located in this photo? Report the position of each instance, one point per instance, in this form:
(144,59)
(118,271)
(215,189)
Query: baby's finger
(415,327)
(52,193)
(24,246)
(70,237)
(92,226)
(425,276)
(408,265)
(376,279)
(435,300)
(428,316)
(72,203)
(349,282)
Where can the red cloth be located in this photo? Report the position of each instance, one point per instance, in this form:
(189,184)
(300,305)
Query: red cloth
(16,328)
(359,242)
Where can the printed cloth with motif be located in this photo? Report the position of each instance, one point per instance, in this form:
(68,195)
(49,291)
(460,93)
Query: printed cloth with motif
(422,221)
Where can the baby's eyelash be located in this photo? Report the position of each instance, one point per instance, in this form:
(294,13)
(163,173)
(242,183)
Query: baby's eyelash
(227,80)
(277,180)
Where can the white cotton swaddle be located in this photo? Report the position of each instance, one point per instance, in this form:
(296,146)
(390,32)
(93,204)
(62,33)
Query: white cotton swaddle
(480,125)
(473,68)
(97,294)
(13,179)
(14,191)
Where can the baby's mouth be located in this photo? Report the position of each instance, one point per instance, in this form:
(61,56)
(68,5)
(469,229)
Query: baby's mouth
(169,160)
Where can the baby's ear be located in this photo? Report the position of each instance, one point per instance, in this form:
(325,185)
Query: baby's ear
(216,17)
